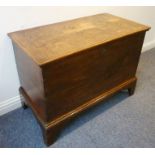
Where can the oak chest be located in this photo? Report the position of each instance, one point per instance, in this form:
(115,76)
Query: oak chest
(68,67)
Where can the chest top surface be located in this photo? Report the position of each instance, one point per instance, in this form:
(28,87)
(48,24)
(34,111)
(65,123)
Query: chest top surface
(50,42)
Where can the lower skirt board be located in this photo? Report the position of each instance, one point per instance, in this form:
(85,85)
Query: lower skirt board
(51,130)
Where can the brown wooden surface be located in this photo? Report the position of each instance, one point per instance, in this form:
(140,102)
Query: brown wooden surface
(68,67)
(30,76)
(61,39)
(74,80)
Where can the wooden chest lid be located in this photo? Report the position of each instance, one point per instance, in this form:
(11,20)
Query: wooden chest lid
(50,42)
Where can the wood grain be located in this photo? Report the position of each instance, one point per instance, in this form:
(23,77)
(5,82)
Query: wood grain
(68,67)
(74,80)
(58,40)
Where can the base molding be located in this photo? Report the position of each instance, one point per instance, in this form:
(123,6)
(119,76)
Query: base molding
(148,46)
(52,129)
(125,85)
(10,105)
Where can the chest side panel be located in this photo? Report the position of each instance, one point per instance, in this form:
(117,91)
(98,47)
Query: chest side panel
(30,76)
